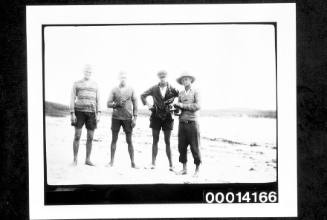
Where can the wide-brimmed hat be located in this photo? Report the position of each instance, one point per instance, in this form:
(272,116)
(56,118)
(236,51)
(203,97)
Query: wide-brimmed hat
(162,73)
(179,79)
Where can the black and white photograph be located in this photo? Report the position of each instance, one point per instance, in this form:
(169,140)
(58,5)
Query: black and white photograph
(146,109)
(123,87)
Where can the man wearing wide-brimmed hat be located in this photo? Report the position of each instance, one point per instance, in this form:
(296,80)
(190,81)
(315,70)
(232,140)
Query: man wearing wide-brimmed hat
(163,95)
(188,129)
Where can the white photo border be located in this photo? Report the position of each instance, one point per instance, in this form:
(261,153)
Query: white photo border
(282,14)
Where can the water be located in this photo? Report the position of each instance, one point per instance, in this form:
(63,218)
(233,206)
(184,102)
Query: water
(240,129)
(246,130)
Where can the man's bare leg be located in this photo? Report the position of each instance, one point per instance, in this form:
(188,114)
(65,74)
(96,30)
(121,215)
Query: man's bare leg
(184,170)
(77,137)
(155,136)
(113,147)
(167,134)
(130,148)
(89,140)
(197,171)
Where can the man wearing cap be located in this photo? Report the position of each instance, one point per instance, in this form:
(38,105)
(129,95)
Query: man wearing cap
(188,129)
(124,103)
(84,108)
(163,95)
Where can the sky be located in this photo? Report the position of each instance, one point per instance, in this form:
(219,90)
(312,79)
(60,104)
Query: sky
(234,65)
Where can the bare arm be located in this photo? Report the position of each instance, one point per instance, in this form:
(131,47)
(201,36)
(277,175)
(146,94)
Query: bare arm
(110,102)
(72,99)
(135,107)
(98,101)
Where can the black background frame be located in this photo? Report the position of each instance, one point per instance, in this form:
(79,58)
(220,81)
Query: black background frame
(311,103)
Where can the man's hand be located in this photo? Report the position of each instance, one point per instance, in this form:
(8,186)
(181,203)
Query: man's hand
(73,118)
(114,105)
(150,107)
(133,122)
(178,105)
(122,102)
(97,116)
(169,101)
(117,105)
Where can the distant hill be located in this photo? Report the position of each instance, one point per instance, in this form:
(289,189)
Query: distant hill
(239,113)
(60,110)
(56,109)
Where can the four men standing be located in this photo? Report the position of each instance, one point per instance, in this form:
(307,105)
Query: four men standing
(84,109)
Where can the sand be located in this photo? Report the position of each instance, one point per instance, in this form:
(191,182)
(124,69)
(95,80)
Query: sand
(234,150)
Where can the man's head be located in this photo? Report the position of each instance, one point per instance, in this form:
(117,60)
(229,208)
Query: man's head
(186,79)
(162,75)
(122,78)
(87,72)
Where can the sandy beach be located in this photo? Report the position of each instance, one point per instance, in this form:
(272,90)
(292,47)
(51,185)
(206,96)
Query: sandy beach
(234,150)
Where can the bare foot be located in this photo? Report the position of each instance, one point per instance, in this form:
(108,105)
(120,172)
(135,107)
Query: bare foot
(134,166)
(110,165)
(74,163)
(89,163)
(152,167)
(197,171)
(196,174)
(182,172)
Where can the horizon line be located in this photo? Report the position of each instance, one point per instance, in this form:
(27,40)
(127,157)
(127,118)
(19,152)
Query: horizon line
(206,109)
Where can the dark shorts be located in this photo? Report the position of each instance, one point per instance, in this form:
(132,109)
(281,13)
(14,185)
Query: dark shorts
(158,123)
(87,118)
(126,124)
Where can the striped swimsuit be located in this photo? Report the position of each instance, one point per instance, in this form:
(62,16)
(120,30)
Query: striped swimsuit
(85,96)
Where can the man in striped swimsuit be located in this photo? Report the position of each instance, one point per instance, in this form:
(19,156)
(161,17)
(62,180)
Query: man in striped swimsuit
(84,108)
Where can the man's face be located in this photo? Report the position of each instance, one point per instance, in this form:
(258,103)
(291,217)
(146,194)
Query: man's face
(186,81)
(87,73)
(122,79)
(162,79)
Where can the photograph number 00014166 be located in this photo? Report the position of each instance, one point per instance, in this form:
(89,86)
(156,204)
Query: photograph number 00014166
(182,111)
